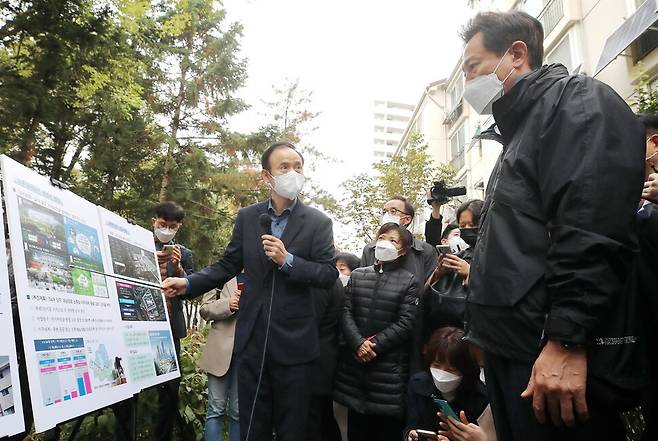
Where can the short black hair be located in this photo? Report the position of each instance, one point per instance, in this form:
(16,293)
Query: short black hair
(474,206)
(265,157)
(650,122)
(501,29)
(405,235)
(169,211)
(408,208)
(448,229)
(352,261)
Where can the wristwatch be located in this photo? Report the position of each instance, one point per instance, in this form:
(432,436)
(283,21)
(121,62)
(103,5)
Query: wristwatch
(571,346)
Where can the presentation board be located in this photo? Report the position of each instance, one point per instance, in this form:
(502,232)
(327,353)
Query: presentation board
(11,405)
(80,353)
(145,329)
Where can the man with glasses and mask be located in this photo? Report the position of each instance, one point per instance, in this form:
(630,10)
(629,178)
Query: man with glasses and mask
(174,260)
(556,235)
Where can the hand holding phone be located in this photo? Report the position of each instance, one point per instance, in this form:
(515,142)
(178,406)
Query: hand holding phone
(445,408)
(443,249)
(168,249)
(427,434)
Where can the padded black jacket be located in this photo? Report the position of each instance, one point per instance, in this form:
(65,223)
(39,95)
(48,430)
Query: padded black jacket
(380,304)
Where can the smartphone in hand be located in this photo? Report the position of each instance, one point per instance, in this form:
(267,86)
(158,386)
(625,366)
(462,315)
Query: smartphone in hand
(427,434)
(445,408)
(168,249)
(443,249)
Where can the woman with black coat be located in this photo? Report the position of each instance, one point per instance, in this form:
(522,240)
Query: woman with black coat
(380,306)
(452,375)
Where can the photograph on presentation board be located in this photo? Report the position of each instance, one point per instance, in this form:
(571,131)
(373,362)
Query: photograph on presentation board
(74,351)
(141,303)
(129,260)
(59,252)
(163,352)
(6,388)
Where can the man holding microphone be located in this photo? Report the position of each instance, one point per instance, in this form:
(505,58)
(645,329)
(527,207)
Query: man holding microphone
(285,248)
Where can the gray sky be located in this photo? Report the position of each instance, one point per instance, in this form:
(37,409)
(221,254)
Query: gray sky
(348,53)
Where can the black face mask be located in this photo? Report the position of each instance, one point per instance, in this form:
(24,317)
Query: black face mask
(470,235)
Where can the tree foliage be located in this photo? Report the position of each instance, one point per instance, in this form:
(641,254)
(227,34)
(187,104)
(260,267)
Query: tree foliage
(410,174)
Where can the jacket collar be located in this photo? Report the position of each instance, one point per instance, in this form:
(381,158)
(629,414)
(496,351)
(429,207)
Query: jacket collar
(510,110)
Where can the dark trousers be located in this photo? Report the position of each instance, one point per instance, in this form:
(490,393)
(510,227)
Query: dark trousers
(167,410)
(516,421)
(362,427)
(283,399)
(322,425)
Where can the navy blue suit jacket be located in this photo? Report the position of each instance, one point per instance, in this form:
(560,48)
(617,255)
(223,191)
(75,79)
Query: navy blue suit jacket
(309,237)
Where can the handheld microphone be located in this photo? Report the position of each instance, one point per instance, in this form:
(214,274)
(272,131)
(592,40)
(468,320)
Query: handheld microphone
(265,222)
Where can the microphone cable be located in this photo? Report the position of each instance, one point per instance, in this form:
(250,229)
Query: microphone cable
(265,222)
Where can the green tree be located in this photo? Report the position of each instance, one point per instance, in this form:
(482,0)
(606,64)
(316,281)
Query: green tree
(64,65)
(410,174)
(201,72)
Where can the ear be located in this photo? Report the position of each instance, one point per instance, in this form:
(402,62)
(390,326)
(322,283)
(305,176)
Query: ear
(444,241)
(653,139)
(265,176)
(519,51)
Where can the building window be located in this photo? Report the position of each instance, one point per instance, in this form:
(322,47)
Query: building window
(6,392)
(562,53)
(379,129)
(379,141)
(457,143)
(457,91)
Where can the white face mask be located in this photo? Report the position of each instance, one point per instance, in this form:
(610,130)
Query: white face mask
(289,185)
(446,382)
(482,91)
(385,251)
(344,279)
(388,218)
(482,377)
(164,235)
(457,244)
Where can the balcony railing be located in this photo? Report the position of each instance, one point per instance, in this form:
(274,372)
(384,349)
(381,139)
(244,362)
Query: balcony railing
(551,15)
(454,114)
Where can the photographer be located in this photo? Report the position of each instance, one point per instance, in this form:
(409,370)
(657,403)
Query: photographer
(444,298)
(437,196)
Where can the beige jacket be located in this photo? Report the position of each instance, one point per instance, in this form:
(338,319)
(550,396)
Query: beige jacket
(216,357)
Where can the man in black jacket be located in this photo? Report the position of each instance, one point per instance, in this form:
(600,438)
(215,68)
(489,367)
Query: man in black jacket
(556,232)
(175,261)
(328,305)
(276,335)
(646,278)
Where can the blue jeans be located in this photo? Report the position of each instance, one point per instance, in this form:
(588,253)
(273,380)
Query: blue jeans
(223,391)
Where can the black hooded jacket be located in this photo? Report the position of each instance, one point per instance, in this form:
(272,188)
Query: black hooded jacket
(556,232)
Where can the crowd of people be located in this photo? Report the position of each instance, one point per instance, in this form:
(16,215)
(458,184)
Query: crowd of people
(522,319)
(527,317)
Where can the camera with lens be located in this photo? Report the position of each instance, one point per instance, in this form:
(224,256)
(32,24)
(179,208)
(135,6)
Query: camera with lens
(441,194)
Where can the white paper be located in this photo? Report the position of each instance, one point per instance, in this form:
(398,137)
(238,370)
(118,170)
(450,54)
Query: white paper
(145,322)
(76,358)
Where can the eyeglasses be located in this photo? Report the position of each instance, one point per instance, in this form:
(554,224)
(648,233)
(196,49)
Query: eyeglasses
(395,212)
